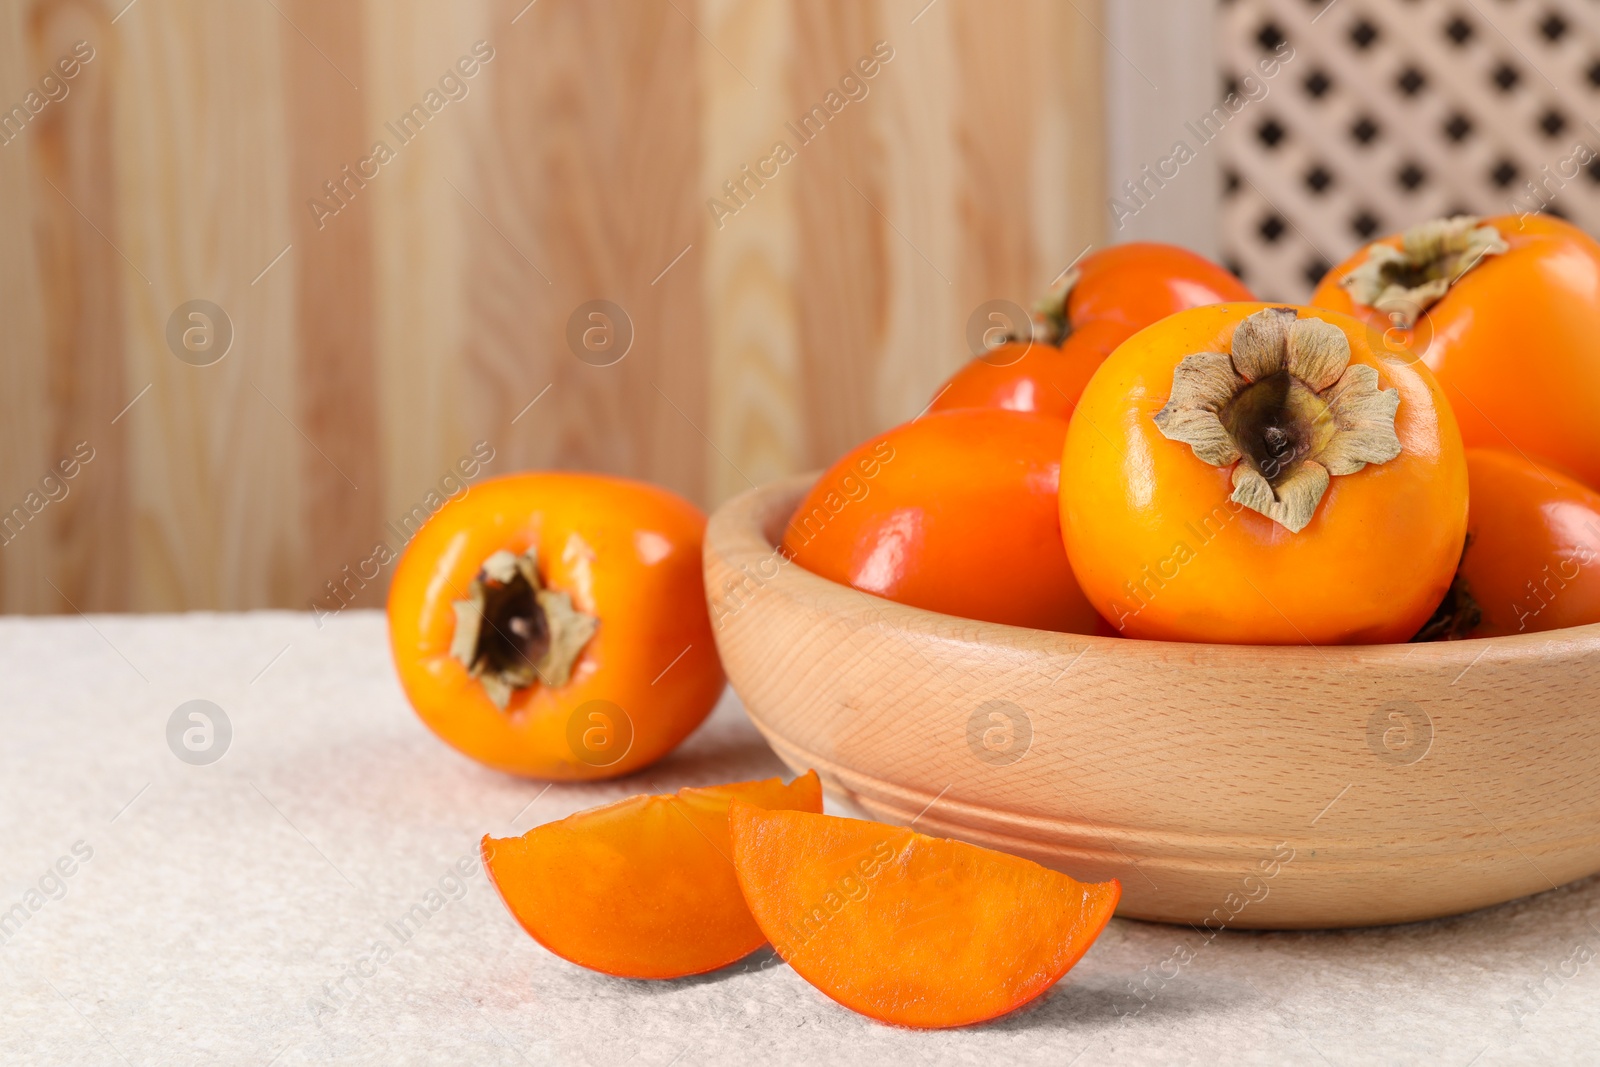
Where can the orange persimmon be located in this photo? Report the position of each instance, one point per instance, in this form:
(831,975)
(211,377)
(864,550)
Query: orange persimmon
(953,512)
(909,929)
(642,888)
(1097,305)
(1506,312)
(555,625)
(1033,375)
(1256,474)
(1532,561)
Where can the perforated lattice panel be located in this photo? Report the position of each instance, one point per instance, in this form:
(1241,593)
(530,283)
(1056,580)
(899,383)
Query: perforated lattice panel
(1395,111)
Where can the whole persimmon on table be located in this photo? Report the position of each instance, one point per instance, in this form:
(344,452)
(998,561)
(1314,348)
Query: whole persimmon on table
(293,877)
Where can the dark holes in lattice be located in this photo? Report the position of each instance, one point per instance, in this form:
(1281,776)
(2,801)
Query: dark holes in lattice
(1315,269)
(1230,86)
(1456,209)
(1230,182)
(1411,81)
(1551,209)
(1419,146)
(1235,267)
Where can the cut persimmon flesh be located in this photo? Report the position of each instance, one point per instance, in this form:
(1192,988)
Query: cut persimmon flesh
(643,888)
(909,929)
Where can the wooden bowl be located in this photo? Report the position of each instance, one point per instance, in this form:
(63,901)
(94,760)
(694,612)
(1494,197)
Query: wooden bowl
(1225,785)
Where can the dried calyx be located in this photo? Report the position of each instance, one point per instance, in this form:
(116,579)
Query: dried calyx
(1287,409)
(1050,322)
(1047,322)
(1404,282)
(512,632)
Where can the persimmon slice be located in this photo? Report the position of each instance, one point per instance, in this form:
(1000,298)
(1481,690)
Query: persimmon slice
(909,929)
(643,888)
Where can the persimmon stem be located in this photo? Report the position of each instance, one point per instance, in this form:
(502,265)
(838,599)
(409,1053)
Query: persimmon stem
(1286,409)
(1050,321)
(512,632)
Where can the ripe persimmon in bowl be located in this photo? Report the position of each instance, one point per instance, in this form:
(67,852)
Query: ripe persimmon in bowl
(1227,786)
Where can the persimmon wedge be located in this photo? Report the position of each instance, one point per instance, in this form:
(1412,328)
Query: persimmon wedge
(642,888)
(908,929)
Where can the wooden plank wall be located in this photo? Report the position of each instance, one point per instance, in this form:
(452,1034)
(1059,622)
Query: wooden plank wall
(378,338)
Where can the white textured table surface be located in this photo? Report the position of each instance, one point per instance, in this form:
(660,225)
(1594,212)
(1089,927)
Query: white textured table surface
(246,912)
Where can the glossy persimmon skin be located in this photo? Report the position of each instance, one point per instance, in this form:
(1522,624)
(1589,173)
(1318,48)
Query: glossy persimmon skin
(953,512)
(1036,377)
(1141,282)
(1533,559)
(1371,566)
(1514,342)
(626,552)
(642,888)
(1119,290)
(907,929)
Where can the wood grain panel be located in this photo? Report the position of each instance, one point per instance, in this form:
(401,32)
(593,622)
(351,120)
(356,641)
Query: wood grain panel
(995,158)
(1021,121)
(25,409)
(206,207)
(844,281)
(1071,192)
(751,255)
(917,203)
(84,274)
(336,405)
(818,305)
(421,223)
(586,189)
